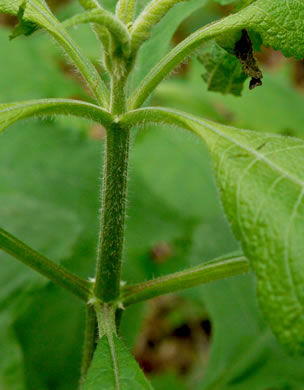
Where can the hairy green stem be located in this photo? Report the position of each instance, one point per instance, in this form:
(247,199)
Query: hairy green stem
(90,341)
(118,96)
(54,272)
(105,315)
(125,10)
(107,286)
(210,271)
(150,16)
(13,112)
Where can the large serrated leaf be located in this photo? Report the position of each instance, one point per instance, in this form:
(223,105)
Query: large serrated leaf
(113,368)
(280,23)
(261,179)
(262,185)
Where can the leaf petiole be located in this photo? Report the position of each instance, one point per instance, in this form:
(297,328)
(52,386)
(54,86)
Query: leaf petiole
(54,272)
(13,112)
(210,271)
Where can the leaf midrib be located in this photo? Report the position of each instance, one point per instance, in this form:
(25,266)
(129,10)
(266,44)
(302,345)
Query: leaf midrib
(114,360)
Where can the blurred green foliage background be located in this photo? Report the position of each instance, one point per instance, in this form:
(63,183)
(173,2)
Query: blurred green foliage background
(210,337)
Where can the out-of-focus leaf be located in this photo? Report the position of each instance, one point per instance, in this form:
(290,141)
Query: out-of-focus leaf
(224,72)
(11,359)
(51,316)
(41,225)
(167,381)
(33,222)
(244,353)
(114,368)
(162,33)
(46,81)
(166,176)
(191,95)
(37,182)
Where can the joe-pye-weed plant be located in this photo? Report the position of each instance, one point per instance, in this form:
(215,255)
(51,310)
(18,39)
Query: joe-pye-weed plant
(259,175)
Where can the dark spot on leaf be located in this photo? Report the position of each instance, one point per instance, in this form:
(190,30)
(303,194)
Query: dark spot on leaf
(243,50)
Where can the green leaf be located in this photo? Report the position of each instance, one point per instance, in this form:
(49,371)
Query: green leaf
(11,359)
(57,363)
(244,353)
(223,71)
(114,368)
(37,53)
(15,212)
(280,24)
(261,181)
(17,281)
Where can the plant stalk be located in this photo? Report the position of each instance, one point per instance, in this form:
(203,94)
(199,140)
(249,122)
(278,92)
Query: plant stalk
(210,271)
(54,272)
(110,250)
